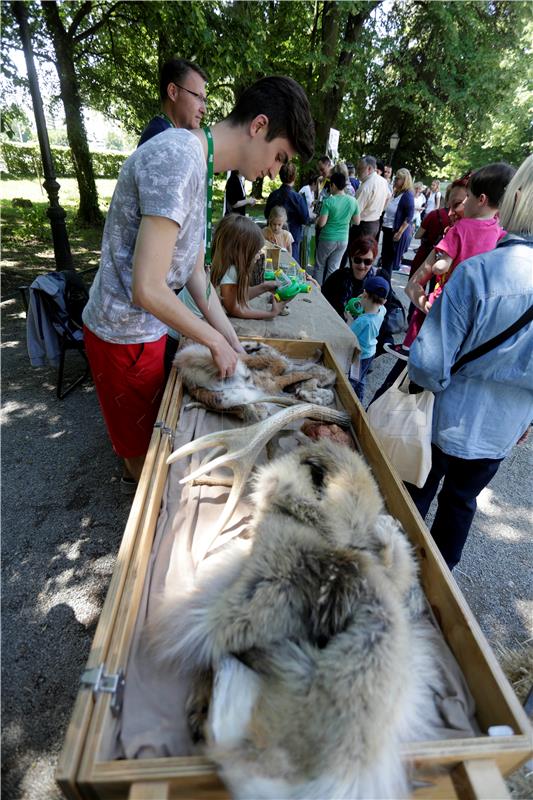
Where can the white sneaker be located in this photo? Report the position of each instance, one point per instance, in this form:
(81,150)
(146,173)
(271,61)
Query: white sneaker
(398,350)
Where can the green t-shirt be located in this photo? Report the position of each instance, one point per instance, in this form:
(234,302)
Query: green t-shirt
(340,208)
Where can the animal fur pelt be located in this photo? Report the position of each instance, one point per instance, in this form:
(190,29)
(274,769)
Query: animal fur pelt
(261,375)
(314,635)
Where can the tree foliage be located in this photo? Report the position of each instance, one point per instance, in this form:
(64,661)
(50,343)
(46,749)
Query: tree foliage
(452,79)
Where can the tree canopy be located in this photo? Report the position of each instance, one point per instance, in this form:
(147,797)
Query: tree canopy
(452,79)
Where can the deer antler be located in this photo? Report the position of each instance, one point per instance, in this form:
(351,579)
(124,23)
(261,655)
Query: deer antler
(243,446)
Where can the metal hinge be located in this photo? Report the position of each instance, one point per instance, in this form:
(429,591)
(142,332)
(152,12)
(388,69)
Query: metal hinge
(99,682)
(165,430)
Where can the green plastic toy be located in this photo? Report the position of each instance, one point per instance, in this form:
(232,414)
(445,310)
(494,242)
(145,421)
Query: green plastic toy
(354,308)
(291,289)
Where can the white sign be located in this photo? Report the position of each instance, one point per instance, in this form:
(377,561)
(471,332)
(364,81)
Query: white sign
(333,142)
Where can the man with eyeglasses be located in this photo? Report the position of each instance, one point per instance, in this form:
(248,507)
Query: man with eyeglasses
(183,100)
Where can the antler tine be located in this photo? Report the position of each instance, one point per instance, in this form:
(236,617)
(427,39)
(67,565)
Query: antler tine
(216,438)
(246,445)
(227,459)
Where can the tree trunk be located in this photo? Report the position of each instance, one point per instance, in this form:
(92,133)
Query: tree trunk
(330,98)
(89,212)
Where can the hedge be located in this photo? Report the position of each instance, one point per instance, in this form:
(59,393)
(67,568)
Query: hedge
(23,161)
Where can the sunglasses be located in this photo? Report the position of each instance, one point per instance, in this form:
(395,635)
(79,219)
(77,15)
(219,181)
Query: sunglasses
(201,97)
(366,261)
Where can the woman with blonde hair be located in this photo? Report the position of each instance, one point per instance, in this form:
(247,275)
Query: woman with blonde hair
(397,223)
(420,202)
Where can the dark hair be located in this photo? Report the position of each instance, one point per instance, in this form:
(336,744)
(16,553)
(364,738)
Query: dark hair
(375,298)
(285,103)
(287,173)
(362,245)
(338,180)
(380,165)
(491,180)
(324,160)
(175,71)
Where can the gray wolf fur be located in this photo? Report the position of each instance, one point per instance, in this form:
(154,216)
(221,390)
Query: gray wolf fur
(321,663)
(261,374)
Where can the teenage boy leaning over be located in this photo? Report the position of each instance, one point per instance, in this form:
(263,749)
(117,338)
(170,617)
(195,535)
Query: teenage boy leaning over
(153,244)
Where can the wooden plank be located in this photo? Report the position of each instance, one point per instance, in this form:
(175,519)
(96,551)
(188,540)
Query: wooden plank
(479,780)
(71,753)
(190,777)
(294,348)
(149,790)
(127,612)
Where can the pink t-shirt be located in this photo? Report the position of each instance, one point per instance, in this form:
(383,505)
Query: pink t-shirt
(470,237)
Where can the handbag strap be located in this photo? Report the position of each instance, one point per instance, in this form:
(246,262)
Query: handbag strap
(495,341)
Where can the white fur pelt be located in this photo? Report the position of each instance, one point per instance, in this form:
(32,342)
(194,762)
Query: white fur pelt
(261,375)
(314,635)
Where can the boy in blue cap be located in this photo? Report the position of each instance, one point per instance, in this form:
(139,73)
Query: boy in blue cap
(366,325)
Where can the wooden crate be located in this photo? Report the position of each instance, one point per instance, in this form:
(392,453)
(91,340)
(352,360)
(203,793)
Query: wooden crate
(470,767)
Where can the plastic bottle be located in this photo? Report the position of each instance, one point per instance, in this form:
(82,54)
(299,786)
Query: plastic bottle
(268,272)
(301,276)
(292,269)
(283,278)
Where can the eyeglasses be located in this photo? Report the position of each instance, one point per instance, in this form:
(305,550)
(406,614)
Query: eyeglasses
(366,261)
(201,97)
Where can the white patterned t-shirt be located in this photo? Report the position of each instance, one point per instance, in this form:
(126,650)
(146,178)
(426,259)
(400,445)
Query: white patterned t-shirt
(164,178)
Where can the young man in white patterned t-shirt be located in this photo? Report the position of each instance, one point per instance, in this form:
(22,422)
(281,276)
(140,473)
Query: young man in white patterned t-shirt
(153,244)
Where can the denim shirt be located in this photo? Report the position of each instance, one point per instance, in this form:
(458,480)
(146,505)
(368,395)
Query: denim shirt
(482,410)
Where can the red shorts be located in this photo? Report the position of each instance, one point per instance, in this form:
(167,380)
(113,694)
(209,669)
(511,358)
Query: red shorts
(129,380)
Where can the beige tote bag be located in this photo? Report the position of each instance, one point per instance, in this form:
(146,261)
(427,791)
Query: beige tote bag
(402,423)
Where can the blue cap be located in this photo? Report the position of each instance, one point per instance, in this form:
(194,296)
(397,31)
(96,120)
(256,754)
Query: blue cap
(378,286)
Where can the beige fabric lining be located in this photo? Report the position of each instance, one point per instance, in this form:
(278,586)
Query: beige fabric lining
(153,721)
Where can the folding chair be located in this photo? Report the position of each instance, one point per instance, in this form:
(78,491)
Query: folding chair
(61,312)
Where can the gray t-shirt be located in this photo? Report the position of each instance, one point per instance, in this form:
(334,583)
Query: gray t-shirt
(164,178)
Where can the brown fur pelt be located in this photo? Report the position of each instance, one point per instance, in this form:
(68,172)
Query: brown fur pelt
(262,374)
(314,635)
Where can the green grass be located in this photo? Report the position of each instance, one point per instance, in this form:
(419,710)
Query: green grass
(27,247)
(31,189)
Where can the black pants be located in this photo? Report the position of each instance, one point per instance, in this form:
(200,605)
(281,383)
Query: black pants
(463,481)
(387,253)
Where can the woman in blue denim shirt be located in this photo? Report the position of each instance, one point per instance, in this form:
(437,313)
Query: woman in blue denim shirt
(486,407)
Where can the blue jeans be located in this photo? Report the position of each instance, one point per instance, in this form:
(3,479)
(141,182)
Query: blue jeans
(359,386)
(463,481)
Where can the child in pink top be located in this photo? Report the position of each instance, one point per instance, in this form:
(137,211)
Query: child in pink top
(478,232)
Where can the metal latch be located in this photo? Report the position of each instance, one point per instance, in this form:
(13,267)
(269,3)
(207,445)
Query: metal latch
(113,684)
(165,430)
